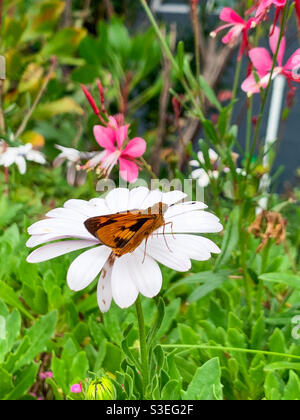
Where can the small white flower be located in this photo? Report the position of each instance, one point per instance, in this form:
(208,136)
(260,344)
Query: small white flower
(213,157)
(173,245)
(73,158)
(19,155)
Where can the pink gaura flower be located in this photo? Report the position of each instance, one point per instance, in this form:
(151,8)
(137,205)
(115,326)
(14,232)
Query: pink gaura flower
(263,63)
(297,10)
(76,388)
(264,6)
(45,375)
(114,139)
(238,27)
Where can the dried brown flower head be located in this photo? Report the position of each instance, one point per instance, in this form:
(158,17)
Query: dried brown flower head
(268,225)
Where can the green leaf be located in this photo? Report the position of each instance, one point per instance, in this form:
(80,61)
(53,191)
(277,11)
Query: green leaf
(39,334)
(292,389)
(113,358)
(277,344)
(231,238)
(63,43)
(157,322)
(206,384)
(6,383)
(288,279)
(273,387)
(210,132)
(171,312)
(24,381)
(171,391)
(12,327)
(209,93)
(212,282)
(13,358)
(49,110)
(60,371)
(258,333)
(180,58)
(79,368)
(281,366)
(9,296)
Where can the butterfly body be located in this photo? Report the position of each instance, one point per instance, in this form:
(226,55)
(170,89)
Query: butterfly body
(125,231)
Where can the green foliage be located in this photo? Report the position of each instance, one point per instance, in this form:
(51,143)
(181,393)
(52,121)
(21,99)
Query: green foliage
(224,330)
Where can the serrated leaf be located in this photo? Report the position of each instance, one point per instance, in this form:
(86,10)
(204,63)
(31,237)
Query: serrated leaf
(39,334)
(23,383)
(206,384)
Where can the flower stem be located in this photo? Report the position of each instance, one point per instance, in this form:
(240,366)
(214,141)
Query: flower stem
(222,348)
(143,345)
(174,63)
(267,90)
(37,99)
(235,87)
(148,168)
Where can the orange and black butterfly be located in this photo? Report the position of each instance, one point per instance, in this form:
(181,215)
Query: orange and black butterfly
(125,231)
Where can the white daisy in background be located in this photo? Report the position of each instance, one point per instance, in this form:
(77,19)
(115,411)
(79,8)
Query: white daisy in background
(74,158)
(19,155)
(173,245)
(204,176)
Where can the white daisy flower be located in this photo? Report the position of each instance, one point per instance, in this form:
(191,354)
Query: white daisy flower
(203,178)
(19,155)
(123,277)
(73,157)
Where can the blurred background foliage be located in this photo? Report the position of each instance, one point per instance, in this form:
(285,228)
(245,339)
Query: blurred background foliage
(43,325)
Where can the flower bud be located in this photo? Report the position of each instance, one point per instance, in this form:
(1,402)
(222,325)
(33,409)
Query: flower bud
(101,389)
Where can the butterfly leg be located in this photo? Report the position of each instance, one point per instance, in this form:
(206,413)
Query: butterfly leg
(165,235)
(145,249)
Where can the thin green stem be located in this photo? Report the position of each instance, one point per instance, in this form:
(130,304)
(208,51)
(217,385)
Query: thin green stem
(235,87)
(171,57)
(225,348)
(143,345)
(194,4)
(249,126)
(265,96)
(37,99)
(148,168)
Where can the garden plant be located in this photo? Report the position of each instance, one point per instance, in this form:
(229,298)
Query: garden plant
(147,249)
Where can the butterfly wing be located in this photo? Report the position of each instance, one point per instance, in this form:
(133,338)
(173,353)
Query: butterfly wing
(117,230)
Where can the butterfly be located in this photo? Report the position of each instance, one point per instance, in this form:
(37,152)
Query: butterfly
(125,231)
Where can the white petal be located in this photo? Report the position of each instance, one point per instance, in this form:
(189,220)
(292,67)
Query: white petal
(172,197)
(145,273)
(36,240)
(62,213)
(194,247)
(182,208)
(21,163)
(193,222)
(104,293)
(59,227)
(117,200)
(164,250)
(194,163)
(36,156)
(86,267)
(100,207)
(152,198)
(81,206)
(57,249)
(136,197)
(202,177)
(124,291)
